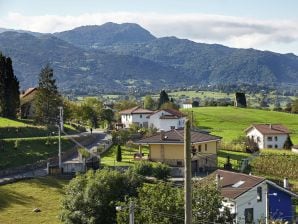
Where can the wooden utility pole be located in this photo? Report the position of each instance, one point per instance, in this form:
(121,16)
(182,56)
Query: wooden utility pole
(187,174)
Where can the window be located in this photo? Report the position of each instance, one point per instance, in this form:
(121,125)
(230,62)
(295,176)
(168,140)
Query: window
(270,146)
(276,146)
(269,138)
(259,194)
(193,150)
(206,147)
(200,148)
(179,163)
(141,115)
(258,139)
(249,215)
(172,127)
(275,138)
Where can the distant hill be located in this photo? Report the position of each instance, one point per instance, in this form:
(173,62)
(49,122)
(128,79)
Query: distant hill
(121,57)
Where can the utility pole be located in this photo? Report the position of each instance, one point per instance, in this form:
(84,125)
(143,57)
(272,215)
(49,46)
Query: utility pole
(60,128)
(131,212)
(187,174)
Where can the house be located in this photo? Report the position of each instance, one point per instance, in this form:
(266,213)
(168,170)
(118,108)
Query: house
(135,115)
(187,104)
(268,135)
(27,103)
(165,119)
(168,147)
(250,197)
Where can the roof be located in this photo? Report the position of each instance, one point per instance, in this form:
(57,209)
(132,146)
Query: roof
(267,129)
(136,110)
(174,113)
(28,92)
(235,184)
(177,136)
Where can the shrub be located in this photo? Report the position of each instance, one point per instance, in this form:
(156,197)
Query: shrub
(119,154)
(143,168)
(161,171)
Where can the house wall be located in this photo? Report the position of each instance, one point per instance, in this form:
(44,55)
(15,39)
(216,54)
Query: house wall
(249,200)
(165,124)
(186,106)
(280,204)
(264,143)
(173,153)
(139,119)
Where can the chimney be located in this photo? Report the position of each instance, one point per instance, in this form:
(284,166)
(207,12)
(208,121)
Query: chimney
(286,183)
(270,126)
(217,181)
(162,134)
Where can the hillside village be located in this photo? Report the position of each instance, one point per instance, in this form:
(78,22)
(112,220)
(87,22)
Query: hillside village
(109,123)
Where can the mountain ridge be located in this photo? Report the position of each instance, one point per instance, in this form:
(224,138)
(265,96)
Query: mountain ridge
(128,57)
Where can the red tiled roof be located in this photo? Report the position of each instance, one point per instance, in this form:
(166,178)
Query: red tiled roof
(177,136)
(28,91)
(266,129)
(173,112)
(230,186)
(136,110)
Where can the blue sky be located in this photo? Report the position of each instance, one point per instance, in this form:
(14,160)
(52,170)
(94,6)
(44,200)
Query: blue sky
(261,24)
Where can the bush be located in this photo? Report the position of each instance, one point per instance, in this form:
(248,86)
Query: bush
(161,171)
(143,168)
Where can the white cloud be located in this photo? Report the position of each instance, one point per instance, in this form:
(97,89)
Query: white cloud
(231,31)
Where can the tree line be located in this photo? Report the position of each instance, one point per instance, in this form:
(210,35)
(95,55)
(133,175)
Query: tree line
(9,89)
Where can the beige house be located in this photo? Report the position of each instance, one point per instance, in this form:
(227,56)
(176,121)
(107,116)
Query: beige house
(168,147)
(27,103)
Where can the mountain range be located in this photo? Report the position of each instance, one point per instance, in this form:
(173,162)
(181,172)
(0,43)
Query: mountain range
(122,57)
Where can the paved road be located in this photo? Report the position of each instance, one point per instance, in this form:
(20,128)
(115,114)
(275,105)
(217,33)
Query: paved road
(99,137)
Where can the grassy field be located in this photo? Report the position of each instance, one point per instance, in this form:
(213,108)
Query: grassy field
(17,201)
(30,150)
(235,157)
(230,122)
(109,158)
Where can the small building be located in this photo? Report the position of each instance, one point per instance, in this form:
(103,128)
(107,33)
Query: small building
(166,119)
(295,148)
(135,115)
(168,147)
(268,135)
(27,103)
(252,198)
(187,104)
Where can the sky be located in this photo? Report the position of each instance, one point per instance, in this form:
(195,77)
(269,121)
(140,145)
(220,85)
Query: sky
(260,24)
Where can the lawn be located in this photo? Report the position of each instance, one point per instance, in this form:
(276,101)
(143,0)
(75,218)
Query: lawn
(4,122)
(17,201)
(235,158)
(109,158)
(30,150)
(230,122)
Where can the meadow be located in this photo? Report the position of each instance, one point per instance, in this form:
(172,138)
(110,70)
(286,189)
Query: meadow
(230,122)
(17,200)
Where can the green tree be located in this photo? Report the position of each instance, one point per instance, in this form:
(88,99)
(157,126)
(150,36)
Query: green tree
(91,197)
(119,154)
(47,98)
(9,89)
(149,103)
(169,105)
(288,143)
(295,106)
(163,98)
(107,115)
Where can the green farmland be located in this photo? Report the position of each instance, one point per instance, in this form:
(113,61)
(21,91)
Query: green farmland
(230,122)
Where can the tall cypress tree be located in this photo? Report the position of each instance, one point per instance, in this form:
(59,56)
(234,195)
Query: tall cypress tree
(2,85)
(12,92)
(9,89)
(163,98)
(47,99)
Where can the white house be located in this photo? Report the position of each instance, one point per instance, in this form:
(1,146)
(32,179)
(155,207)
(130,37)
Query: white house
(268,135)
(165,119)
(187,104)
(252,198)
(135,115)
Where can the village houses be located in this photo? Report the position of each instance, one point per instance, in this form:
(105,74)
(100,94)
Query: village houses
(268,135)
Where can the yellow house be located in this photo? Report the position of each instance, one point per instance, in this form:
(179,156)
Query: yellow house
(168,147)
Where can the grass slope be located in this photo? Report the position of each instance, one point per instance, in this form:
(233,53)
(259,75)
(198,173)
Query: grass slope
(230,122)
(17,201)
(109,158)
